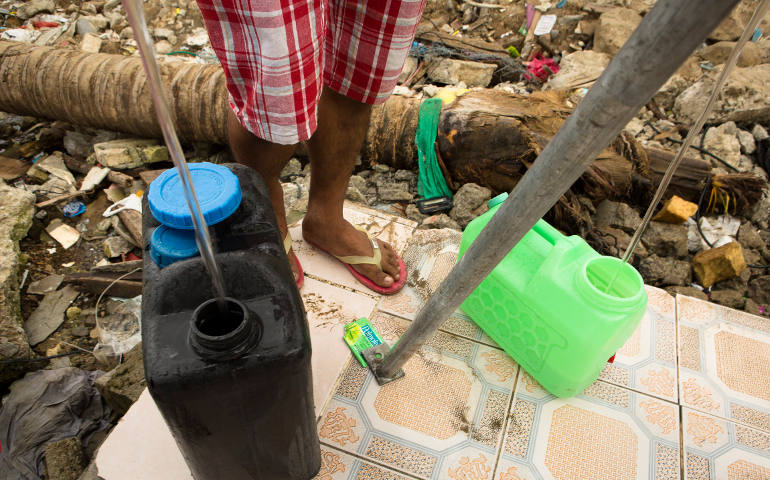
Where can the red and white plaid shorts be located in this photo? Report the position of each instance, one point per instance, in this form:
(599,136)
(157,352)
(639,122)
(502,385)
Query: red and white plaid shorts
(277,55)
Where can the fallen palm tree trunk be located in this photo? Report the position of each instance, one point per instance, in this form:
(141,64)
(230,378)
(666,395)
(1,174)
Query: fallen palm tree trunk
(110,91)
(489,137)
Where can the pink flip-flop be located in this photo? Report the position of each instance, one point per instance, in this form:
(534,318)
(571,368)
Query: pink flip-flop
(375,259)
(300,272)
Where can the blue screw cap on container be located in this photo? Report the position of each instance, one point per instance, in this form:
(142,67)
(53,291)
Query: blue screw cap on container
(497,200)
(169,245)
(217,189)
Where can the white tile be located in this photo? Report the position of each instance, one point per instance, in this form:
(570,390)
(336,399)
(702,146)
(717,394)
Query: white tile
(329,308)
(388,228)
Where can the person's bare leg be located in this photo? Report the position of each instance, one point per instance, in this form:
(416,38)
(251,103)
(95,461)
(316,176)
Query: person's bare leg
(342,125)
(268,159)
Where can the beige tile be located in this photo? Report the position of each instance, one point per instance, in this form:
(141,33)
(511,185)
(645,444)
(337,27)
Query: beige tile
(429,256)
(724,362)
(389,228)
(328,309)
(141,446)
(647,361)
(437,421)
(716,449)
(607,432)
(338,465)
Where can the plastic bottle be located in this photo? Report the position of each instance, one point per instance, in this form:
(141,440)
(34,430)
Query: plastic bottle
(235,389)
(548,305)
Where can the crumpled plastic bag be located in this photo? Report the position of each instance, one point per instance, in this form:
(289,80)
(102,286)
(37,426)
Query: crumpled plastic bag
(719,231)
(44,407)
(121,330)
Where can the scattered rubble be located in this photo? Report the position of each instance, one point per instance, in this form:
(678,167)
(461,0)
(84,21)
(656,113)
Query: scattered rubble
(717,264)
(51,164)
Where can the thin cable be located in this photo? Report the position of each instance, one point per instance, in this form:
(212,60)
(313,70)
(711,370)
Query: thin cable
(98,300)
(697,126)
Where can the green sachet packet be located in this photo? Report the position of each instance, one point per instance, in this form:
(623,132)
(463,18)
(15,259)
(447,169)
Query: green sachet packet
(359,336)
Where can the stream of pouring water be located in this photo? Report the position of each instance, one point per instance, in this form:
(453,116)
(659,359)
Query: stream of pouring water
(135,15)
(694,130)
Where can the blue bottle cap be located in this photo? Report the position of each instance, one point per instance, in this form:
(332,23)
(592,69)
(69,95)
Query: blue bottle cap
(497,200)
(169,245)
(217,188)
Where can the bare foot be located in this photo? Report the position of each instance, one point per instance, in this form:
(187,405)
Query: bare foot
(343,239)
(292,259)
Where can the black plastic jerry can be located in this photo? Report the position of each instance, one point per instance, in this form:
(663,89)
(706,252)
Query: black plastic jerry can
(235,388)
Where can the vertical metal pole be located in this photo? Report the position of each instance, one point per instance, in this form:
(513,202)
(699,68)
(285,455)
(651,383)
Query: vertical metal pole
(662,42)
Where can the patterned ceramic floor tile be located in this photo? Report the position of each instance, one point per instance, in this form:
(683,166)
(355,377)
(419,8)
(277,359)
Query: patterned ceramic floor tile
(429,257)
(389,228)
(443,420)
(328,309)
(647,362)
(724,362)
(717,449)
(607,432)
(338,465)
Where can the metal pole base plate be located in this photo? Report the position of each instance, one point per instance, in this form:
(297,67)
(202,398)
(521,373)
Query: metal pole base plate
(374,357)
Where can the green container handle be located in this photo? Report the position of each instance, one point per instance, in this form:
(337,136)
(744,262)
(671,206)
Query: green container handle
(544,229)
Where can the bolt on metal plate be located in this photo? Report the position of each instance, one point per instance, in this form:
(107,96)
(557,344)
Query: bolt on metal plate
(374,357)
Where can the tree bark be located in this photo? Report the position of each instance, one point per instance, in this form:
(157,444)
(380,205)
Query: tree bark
(110,91)
(489,137)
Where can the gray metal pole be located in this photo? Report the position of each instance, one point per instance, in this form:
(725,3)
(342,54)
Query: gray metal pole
(661,43)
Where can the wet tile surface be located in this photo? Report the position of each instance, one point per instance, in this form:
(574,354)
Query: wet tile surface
(338,465)
(647,361)
(429,256)
(328,309)
(607,432)
(724,362)
(465,410)
(442,420)
(716,449)
(318,264)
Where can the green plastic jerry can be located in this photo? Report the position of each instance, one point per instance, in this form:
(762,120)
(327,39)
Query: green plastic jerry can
(548,305)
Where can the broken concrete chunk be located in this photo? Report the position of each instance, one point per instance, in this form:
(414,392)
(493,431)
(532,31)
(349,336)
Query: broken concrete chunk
(16,212)
(129,153)
(63,233)
(466,201)
(723,142)
(717,264)
(665,271)
(718,53)
(354,195)
(451,72)
(615,26)
(728,298)
(54,165)
(94,177)
(116,246)
(759,289)
(577,69)
(666,240)
(676,210)
(745,97)
(45,285)
(91,43)
(155,153)
(49,314)
(392,191)
(748,144)
(759,133)
(64,459)
(617,215)
(122,385)
(31,8)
